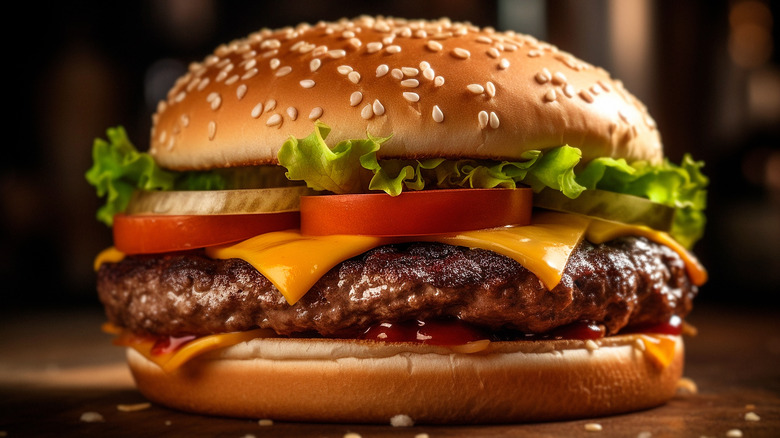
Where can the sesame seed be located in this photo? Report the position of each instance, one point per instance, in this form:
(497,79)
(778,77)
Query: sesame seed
(752,416)
(319,51)
(241,91)
(265,422)
(595,89)
(382,70)
(734,433)
(214,99)
(283,71)
(410,71)
(212,130)
(270,105)
(591,345)
(483,119)
(292,112)
(379,109)
(421,33)
(438,115)
(315,113)
(339,53)
(270,53)
(367,112)
(424,65)
(639,344)
(257,110)
(91,417)
(344,69)
(275,119)
(543,76)
(484,39)
(250,64)
(401,420)
(231,80)
(354,77)
(410,83)
(434,46)
(586,96)
(558,78)
(203,84)
(411,97)
(397,73)
(499,46)
(593,427)
(494,122)
(550,95)
(347,34)
(388,40)
(297,45)
(352,435)
(355,98)
(493,52)
(491,89)
(429,74)
(270,44)
(315,64)
(406,32)
(251,73)
(180,97)
(306,48)
(605,86)
(185,120)
(163,136)
(476,88)
(503,64)
(221,76)
(534,53)
(394,49)
(307,83)
(622,115)
(510,47)
(193,83)
(460,53)
(568,90)
(438,81)
(373,47)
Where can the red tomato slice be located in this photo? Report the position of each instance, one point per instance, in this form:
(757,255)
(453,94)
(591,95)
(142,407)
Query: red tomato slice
(144,234)
(415,213)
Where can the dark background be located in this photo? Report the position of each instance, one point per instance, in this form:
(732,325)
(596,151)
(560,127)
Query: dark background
(708,71)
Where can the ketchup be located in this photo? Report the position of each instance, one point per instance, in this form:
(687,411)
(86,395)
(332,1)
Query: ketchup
(440,332)
(672,327)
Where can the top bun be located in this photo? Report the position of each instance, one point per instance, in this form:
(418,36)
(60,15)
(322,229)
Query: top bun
(442,89)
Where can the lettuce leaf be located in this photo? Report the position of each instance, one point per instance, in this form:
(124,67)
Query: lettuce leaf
(118,169)
(353,166)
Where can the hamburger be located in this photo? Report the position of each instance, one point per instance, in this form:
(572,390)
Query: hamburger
(353,220)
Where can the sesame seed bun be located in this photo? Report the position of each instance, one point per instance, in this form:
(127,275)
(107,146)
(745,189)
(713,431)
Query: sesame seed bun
(442,89)
(360,381)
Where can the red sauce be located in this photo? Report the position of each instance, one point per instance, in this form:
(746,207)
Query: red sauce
(672,327)
(583,330)
(443,332)
(170,344)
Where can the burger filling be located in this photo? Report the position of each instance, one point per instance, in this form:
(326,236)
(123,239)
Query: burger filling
(628,282)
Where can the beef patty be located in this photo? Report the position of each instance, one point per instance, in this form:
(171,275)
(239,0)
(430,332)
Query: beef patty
(625,282)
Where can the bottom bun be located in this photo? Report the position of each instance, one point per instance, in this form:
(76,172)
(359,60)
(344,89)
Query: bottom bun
(326,380)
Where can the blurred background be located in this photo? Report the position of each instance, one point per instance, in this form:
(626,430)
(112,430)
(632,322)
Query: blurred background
(709,71)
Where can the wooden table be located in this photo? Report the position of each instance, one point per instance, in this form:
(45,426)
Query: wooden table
(55,366)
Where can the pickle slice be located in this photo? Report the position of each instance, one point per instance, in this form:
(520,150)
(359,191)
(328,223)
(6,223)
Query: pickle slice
(617,207)
(205,202)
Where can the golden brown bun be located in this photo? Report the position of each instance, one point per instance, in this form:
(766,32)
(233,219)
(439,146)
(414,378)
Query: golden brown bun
(326,380)
(442,89)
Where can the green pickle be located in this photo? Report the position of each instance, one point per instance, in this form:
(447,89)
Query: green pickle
(611,206)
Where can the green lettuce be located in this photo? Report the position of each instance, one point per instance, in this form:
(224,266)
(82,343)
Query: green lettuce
(353,166)
(118,169)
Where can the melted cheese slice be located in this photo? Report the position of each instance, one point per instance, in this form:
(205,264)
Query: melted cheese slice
(601,231)
(659,349)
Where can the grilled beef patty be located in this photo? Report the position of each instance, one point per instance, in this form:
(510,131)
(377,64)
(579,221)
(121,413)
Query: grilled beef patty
(625,282)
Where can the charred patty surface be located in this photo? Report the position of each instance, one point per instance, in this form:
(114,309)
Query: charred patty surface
(628,281)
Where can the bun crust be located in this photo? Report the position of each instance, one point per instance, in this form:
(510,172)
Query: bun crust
(326,380)
(441,89)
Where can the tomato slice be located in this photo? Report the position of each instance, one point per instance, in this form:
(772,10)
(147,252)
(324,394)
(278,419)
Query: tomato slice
(145,234)
(415,213)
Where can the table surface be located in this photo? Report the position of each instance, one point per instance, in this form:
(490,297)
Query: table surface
(57,365)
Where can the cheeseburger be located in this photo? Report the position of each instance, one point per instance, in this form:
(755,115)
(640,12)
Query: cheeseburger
(352,220)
